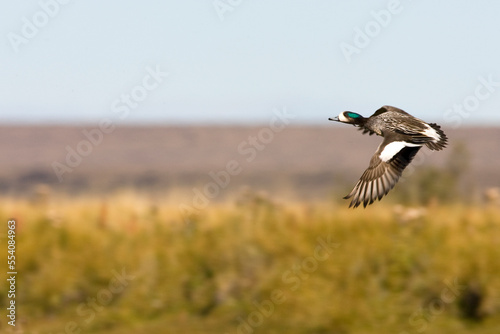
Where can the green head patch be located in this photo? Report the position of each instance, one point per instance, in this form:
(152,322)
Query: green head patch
(352,115)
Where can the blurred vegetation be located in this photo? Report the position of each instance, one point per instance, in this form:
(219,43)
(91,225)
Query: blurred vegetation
(421,185)
(254,266)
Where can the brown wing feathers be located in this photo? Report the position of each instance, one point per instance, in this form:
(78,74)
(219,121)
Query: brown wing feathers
(380,177)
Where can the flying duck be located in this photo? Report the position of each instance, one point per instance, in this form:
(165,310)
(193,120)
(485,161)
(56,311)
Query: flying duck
(403,136)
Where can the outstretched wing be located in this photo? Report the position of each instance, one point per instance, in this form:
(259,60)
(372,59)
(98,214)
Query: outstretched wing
(386,167)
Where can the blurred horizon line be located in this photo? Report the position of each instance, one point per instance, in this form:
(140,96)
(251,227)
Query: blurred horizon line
(211,123)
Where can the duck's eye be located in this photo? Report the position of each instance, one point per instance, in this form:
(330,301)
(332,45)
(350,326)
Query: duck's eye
(352,115)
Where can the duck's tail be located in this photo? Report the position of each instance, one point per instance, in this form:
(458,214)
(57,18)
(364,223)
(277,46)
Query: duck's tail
(439,140)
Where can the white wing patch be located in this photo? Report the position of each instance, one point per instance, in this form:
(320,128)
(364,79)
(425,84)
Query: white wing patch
(430,132)
(391,149)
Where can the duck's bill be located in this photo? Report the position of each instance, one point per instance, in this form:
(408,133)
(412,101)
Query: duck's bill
(336,119)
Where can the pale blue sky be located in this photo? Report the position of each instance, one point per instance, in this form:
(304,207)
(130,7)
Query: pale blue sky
(426,58)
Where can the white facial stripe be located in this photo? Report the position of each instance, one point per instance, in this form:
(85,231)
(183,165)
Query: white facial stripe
(430,132)
(393,148)
(342,118)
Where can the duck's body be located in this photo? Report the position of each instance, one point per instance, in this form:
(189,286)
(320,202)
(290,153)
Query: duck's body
(403,136)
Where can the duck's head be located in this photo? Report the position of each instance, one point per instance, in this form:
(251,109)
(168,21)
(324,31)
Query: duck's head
(349,117)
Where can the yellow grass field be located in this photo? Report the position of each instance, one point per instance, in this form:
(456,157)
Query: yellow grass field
(126,264)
